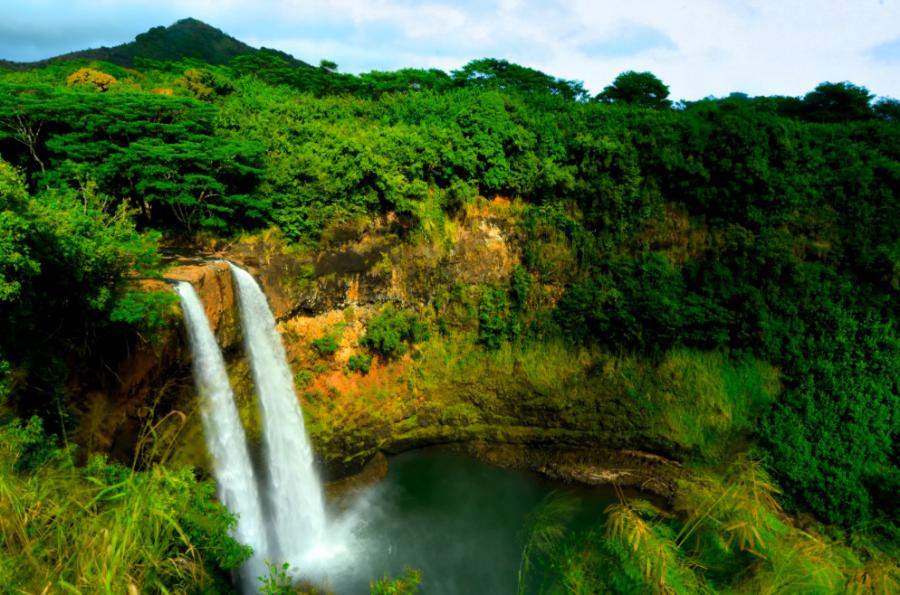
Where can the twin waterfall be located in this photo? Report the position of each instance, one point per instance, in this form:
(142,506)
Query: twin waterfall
(280,509)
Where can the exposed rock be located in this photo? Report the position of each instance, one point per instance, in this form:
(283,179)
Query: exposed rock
(482,255)
(374,267)
(212,281)
(135,382)
(589,466)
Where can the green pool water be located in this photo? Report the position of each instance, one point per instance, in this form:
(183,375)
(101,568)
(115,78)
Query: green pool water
(460,522)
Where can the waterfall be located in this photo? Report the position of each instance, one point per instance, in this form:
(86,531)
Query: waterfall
(225,438)
(294,493)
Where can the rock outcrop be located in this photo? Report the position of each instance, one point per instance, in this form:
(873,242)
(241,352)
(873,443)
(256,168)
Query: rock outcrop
(129,387)
(212,281)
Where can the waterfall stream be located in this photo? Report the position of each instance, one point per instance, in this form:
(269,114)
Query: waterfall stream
(294,493)
(225,440)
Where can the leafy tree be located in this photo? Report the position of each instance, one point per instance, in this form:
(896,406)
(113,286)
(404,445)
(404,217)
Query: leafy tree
(490,73)
(887,109)
(204,84)
(832,437)
(377,83)
(160,151)
(328,65)
(641,89)
(17,266)
(62,278)
(90,77)
(837,102)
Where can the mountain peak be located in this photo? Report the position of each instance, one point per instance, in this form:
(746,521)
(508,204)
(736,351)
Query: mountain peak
(186,38)
(190,21)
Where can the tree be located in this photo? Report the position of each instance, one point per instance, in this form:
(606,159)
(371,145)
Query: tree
(63,269)
(642,89)
(89,77)
(837,102)
(145,149)
(16,263)
(888,109)
(490,73)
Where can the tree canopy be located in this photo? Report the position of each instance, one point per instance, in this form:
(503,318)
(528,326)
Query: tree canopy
(642,89)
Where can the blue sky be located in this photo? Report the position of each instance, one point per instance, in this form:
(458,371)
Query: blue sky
(698,47)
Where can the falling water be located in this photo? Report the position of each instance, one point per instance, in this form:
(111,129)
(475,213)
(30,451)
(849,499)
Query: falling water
(225,437)
(294,492)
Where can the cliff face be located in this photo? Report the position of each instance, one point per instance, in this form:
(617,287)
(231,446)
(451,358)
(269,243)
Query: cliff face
(375,267)
(118,406)
(399,404)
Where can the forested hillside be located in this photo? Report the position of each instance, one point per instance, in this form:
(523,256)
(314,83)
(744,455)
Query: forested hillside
(758,229)
(185,39)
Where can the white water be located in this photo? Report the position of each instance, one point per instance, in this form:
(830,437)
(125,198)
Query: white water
(294,495)
(225,438)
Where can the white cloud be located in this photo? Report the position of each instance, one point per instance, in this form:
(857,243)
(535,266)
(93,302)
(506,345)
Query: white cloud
(698,47)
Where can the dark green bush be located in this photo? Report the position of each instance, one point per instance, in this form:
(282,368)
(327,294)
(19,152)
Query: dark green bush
(392,331)
(360,363)
(326,346)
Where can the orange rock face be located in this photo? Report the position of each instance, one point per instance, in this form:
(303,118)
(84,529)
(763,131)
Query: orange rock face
(213,284)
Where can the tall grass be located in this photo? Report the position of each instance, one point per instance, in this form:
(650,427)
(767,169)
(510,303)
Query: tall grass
(104,528)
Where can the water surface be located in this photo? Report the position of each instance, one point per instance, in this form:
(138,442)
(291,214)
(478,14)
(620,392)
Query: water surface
(459,521)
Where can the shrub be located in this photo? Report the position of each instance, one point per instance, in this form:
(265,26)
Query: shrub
(304,378)
(360,363)
(326,346)
(493,314)
(406,584)
(391,332)
(105,527)
(149,311)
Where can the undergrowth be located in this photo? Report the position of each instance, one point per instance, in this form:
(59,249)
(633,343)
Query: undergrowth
(105,528)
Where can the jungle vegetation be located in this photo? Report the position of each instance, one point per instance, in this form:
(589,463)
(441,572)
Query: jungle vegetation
(758,228)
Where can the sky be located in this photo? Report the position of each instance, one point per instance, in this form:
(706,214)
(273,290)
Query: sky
(698,47)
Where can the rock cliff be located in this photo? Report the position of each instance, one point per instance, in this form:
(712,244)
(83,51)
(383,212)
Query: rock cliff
(399,404)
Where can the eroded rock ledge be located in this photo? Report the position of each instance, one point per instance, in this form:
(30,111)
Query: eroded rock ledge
(595,466)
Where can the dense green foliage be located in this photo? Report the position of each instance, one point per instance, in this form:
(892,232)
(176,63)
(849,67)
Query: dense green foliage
(759,228)
(407,584)
(104,528)
(391,332)
(64,262)
(643,89)
(723,534)
(361,363)
(326,345)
